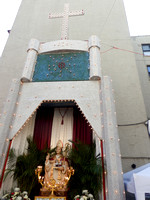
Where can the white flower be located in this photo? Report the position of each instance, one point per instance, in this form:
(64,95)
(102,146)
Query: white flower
(91,196)
(17,190)
(82,198)
(25,193)
(19,198)
(25,197)
(77,196)
(85,192)
(15,193)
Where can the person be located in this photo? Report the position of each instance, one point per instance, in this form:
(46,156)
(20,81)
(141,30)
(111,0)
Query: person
(56,168)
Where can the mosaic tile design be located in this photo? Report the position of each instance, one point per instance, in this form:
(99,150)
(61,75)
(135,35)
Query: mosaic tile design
(62,67)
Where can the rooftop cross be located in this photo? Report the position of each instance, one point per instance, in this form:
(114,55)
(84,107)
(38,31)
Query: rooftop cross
(65,15)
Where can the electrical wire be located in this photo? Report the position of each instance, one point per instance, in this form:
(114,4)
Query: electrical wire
(133,124)
(108,15)
(107,50)
(127,50)
(117,48)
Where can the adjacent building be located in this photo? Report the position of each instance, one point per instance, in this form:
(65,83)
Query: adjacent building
(141,45)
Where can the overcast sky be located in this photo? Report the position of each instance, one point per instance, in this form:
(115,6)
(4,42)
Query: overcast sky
(137,15)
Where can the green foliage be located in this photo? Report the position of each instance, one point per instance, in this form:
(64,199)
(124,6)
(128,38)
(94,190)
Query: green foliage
(24,167)
(11,164)
(88,170)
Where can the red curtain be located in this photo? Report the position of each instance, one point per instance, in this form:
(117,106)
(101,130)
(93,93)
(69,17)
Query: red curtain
(81,129)
(43,127)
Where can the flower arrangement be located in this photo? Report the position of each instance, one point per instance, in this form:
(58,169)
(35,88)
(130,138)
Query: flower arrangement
(85,196)
(16,195)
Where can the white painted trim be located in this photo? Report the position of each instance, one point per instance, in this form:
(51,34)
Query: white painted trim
(63,45)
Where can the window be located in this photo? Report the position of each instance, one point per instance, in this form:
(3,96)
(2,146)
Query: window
(146,49)
(148,69)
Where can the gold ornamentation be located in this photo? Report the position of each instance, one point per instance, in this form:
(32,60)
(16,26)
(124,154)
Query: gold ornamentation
(57,171)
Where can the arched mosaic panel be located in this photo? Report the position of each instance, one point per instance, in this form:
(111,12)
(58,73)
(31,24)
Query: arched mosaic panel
(72,66)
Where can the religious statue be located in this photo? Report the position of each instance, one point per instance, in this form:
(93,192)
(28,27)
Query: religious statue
(57,173)
(56,167)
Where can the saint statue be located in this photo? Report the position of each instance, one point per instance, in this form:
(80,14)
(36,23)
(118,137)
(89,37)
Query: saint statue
(56,170)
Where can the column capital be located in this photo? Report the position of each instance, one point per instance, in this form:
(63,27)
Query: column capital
(33,45)
(94,41)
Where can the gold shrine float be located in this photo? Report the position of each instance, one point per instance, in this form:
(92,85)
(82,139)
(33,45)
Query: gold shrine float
(57,175)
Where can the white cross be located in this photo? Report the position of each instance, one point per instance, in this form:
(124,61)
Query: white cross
(65,15)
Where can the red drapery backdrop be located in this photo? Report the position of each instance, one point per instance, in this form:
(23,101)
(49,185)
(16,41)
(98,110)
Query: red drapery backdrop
(81,130)
(43,127)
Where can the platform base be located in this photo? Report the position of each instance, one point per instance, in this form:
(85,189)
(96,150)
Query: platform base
(49,198)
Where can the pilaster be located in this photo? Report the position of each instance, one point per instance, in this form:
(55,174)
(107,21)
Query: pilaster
(7,117)
(114,172)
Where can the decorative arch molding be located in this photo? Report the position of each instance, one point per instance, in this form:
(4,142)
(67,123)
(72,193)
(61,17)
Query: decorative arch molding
(34,94)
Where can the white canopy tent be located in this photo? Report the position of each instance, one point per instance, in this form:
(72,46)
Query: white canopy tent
(137,183)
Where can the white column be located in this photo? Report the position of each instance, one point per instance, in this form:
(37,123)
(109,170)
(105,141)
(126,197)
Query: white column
(115,190)
(95,63)
(30,61)
(6,119)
